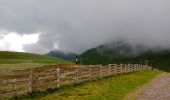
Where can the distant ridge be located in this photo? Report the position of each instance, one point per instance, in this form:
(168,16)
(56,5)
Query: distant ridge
(123,52)
(62,54)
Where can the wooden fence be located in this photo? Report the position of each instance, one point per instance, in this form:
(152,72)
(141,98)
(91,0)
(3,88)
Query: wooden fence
(16,83)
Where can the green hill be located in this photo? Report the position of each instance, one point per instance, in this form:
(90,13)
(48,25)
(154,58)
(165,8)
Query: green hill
(121,52)
(21,61)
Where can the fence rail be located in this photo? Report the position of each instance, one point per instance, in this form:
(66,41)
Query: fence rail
(15,83)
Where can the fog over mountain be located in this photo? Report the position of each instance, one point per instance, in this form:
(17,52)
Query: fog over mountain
(83,24)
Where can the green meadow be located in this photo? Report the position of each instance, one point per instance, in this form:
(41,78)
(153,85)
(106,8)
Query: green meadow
(12,61)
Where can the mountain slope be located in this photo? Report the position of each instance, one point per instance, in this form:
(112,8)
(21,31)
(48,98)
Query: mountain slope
(7,57)
(61,54)
(121,52)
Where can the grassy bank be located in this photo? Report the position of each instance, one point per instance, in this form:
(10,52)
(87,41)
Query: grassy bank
(112,88)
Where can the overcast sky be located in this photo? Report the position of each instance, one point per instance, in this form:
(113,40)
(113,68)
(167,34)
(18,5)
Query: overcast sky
(42,25)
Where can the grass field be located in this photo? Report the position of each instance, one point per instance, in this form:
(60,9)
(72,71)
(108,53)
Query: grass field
(111,88)
(11,61)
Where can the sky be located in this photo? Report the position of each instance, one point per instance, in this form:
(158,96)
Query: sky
(40,26)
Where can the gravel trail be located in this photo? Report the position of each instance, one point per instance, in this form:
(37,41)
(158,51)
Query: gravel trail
(157,89)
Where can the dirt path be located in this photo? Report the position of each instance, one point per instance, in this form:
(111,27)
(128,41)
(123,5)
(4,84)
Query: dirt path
(157,89)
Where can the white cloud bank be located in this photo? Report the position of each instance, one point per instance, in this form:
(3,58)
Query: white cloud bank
(12,41)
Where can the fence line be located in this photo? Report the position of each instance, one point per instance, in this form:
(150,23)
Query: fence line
(12,84)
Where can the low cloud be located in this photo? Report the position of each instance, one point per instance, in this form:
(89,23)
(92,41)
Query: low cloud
(15,42)
(84,24)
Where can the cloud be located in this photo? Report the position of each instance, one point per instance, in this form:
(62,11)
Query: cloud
(14,42)
(83,24)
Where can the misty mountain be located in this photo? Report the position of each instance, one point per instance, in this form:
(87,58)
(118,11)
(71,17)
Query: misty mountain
(123,52)
(62,54)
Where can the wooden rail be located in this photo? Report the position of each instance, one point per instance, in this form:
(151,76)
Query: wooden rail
(15,83)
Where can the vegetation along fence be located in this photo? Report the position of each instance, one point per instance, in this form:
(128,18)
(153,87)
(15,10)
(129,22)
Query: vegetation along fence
(15,83)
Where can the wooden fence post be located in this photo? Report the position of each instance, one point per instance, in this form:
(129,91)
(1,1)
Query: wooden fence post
(139,66)
(109,73)
(77,76)
(101,73)
(136,67)
(121,69)
(151,67)
(31,82)
(125,68)
(145,67)
(58,77)
(90,72)
(115,67)
(133,67)
(129,69)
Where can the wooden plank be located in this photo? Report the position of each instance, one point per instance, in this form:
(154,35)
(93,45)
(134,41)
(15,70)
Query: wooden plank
(83,70)
(14,73)
(67,82)
(68,73)
(42,74)
(84,76)
(67,78)
(83,80)
(13,87)
(84,73)
(13,93)
(13,81)
(45,70)
(95,75)
(44,79)
(45,85)
(101,75)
